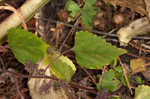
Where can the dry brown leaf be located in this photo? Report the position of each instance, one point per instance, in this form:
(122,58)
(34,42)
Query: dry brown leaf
(138,27)
(147,4)
(146,74)
(35,85)
(134,5)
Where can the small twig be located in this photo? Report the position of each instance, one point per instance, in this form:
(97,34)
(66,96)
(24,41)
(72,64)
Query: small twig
(93,80)
(133,55)
(70,33)
(58,30)
(139,48)
(94,31)
(145,46)
(10,8)
(17,86)
(100,79)
(36,26)
(126,78)
(2,62)
(72,84)
(3,49)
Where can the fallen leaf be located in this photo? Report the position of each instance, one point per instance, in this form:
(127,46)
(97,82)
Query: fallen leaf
(138,27)
(142,92)
(146,74)
(35,86)
(147,4)
(134,5)
(136,65)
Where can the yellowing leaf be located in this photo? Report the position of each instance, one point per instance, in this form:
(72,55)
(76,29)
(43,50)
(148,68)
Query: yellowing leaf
(93,52)
(142,92)
(136,65)
(62,68)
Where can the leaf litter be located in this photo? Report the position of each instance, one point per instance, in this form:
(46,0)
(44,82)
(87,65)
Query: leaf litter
(137,10)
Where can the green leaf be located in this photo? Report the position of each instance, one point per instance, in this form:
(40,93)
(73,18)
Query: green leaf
(62,68)
(142,92)
(123,80)
(139,80)
(88,13)
(118,69)
(93,52)
(115,98)
(108,81)
(114,63)
(119,75)
(26,46)
(73,7)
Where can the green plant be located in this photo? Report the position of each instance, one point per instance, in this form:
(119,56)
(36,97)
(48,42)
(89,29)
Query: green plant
(139,80)
(91,52)
(94,52)
(26,46)
(115,98)
(112,79)
(88,11)
(108,82)
(119,75)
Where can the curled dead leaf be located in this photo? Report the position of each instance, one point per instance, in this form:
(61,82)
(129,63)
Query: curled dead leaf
(138,27)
